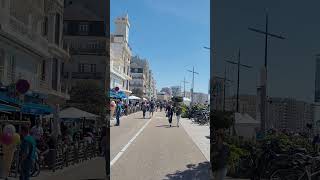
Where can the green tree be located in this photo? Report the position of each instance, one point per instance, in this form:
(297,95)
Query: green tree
(88,96)
(221,119)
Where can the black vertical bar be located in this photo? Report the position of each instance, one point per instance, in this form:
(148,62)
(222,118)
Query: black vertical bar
(107,88)
(266,43)
(224,88)
(238,81)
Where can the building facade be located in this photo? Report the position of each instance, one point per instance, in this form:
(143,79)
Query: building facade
(84,35)
(176,91)
(120,56)
(140,75)
(247,104)
(162,96)
(200,98)
(31,46)
(151,88)
(290,114)
(317,80)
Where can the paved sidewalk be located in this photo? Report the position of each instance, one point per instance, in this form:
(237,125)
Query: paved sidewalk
(159,152)
(200,134)
(89,169)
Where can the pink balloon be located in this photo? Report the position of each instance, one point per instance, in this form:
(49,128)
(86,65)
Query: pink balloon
(7,138)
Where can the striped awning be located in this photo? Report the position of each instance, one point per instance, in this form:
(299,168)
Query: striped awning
(7,108)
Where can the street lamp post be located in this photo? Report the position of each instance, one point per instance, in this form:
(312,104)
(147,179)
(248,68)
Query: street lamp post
(238,82)
(184,86)
(192,89)
(224,87)
(238,77)
(264,83)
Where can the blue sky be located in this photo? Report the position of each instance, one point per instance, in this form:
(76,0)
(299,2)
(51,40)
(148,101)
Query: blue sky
(171,35)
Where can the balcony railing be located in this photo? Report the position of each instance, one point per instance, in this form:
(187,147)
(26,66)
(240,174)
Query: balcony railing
(87,75)
(29,36)
(44,85)
(83,46)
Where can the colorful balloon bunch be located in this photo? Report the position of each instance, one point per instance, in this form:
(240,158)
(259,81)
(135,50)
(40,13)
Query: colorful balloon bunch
(9,135)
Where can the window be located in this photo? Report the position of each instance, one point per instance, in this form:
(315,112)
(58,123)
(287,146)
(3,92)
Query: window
(55,74)
(45,27)
(57,29)
(43,70)
(65,27)
(93,68)
(81,67)
(62,68)
(83,28)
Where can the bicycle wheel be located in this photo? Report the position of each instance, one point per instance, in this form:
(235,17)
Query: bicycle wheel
(288,174)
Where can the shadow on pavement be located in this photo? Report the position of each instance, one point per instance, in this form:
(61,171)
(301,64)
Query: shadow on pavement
(196,172)
(166,126)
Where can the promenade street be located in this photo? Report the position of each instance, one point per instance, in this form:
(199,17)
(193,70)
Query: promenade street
(158,152)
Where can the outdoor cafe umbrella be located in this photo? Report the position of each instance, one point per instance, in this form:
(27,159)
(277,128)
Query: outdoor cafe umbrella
(134,98)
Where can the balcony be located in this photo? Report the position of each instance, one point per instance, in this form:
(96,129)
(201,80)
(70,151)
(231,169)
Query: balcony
(20,32)
(43,86)
(85,46)
(87,75)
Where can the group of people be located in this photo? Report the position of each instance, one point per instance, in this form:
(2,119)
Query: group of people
(27,151)
(35,143)
(148,107)
(171,110)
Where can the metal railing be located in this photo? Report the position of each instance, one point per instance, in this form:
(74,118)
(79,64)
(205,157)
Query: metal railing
(87,75)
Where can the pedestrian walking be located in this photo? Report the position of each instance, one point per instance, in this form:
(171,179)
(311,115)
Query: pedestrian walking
(152,107)
(178,114)
(221,154)
(144,109)
(161,106)
(37,131)
(118,112)
(28,153)
(170,112)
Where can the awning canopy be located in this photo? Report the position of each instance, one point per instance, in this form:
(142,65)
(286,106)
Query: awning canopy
(117,95)
(7,109)
(134,98)
(6,99)
(74,113)
(36,109)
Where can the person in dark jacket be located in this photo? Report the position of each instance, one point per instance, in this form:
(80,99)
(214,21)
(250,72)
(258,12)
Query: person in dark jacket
(118,112)
(170,111)
(144,109)
(221,154)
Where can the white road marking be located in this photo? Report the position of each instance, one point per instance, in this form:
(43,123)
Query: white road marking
(129,143)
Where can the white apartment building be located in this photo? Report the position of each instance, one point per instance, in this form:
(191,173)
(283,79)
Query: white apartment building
(140,75)
(31,46)
(120,56)
(288,113)
(152,86)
